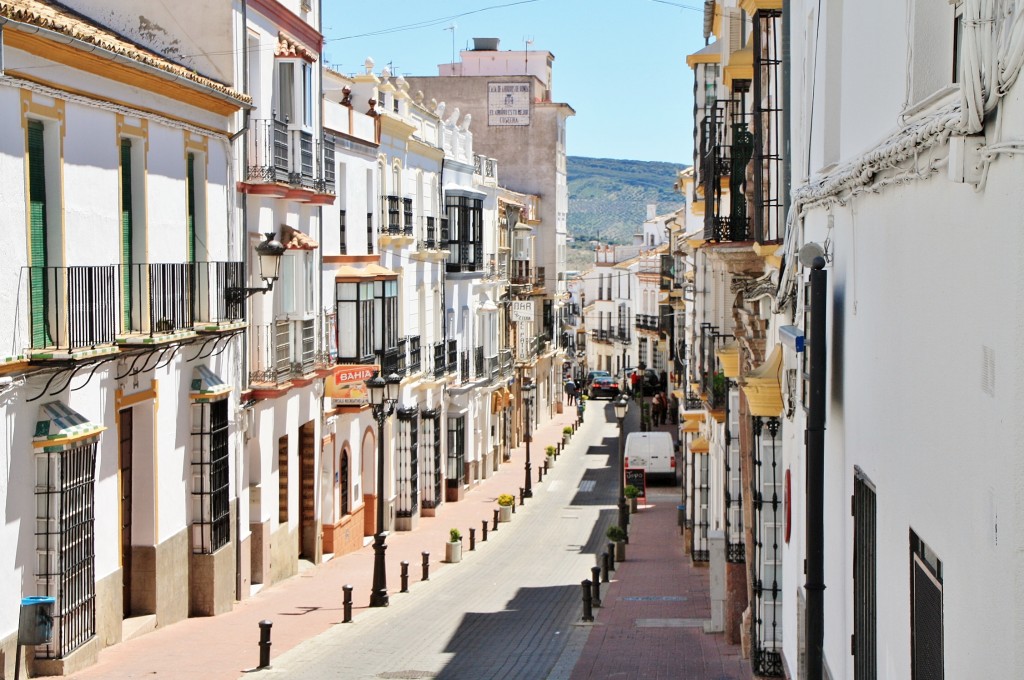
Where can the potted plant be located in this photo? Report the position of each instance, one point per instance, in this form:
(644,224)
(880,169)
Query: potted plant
(632,493)
(617,535)
(550,450)
(566,434)
(453,548)
(505,503)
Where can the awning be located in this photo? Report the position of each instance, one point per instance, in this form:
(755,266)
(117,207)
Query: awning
(348,272)
(207,385)
(461,190)
(60,427)
(691,426)
(763,388)
(700,445)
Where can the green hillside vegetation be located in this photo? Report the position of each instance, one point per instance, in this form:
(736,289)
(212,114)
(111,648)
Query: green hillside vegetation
(608,201)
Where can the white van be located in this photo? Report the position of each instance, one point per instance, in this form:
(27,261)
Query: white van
(652,451)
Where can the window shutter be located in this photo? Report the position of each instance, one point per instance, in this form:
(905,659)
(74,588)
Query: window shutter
(126,230)
(37,234)
(190,189)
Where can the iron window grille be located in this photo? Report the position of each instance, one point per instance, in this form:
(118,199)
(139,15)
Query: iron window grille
(865,568)
(768,222)
(211,525)
(343,243)
(415,354)
(465,233)
(408,481)
(480,371)
(345,473)
(65,539)
(369,233)
(456,451)
(407,222)
(735,548)
(392,214)
(926,629)
(464,363)
(453,356)
(430,233)
(432,472)
(699,547)
(767,536)
(440,358)
(307,358)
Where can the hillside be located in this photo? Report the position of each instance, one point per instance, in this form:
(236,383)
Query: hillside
(608,197)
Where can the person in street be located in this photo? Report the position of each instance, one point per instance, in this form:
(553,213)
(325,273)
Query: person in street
(658,410)
(634,381)
(570,392)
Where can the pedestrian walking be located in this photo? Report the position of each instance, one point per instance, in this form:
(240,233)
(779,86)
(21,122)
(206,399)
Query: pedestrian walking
(659,407)
(634,380)
(570,392)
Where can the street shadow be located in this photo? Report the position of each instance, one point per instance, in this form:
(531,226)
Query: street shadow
(525,640)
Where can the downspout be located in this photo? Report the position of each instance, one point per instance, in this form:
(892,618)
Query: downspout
(815,445)
(787,88)
(245,354)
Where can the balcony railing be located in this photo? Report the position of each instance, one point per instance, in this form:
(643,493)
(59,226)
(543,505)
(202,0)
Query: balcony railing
(430,239)
(158,298)
(464,372)
(407,217)
(491,368)
(392,215)
(649,322)
(453,356)
(212,279)
(478,363)
(268,151)
(278,154)
(505,362)
(73,307)
(602,334)
(522,273)
(390,363)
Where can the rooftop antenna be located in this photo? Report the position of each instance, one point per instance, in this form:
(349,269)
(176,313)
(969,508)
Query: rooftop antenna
(452,28)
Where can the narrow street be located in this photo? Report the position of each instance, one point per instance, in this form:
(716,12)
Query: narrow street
(512,608)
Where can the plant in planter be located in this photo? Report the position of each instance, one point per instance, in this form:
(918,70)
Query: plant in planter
(505,503)
(453,548)
(631,493)
(566,434)
(617,535)
(552,452)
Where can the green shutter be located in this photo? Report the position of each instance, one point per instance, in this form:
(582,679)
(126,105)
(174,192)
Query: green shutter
(37,235)
(126,231)
(190,189)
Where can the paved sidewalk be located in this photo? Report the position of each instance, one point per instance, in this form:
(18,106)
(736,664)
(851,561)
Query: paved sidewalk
(308,604)
(650,626)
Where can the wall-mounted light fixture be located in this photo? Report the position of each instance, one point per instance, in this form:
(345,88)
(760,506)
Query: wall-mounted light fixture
(268,255)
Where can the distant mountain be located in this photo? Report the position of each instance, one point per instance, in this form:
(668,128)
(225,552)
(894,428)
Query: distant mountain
(608,197)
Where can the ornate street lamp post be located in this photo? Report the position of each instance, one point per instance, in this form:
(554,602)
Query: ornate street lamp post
(528,436)
(383,397)
(621,405)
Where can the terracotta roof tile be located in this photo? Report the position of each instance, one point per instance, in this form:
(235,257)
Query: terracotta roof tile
(59,19)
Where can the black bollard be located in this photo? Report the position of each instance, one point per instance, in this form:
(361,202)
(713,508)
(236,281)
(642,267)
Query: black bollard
(483,534)
(495,527)
(604,567)
(346,604)
(265,627)
(522,495)
(426,566)
(472,538)
(513,508)
(611,556)
(540,472)
(405,577)
(595,582)
(588,611)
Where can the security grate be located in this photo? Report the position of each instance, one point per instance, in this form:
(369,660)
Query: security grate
(65,495)
(768,220)
(865,633)
(432,475)
(408,501)
(926,647)
(456,451)
(767,536)
(702,519)
(211,525)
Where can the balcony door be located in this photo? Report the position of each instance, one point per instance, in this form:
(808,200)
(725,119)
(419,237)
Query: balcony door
(38,259)
(124,454)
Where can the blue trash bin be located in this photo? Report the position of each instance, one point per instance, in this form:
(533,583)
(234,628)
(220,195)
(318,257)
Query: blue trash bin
(35,625)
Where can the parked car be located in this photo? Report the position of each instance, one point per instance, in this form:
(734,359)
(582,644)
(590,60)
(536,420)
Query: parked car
(652,451)
(596,374)
(651,381)
(603,386)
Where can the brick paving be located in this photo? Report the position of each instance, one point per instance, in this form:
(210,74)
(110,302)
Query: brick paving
(503,613)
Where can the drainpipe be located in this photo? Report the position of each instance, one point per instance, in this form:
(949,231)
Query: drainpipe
(787,87)
(815,445)
(244,358)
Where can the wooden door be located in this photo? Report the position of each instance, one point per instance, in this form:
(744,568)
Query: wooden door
(124,456)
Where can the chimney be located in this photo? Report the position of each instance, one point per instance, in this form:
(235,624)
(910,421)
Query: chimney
(652,211)
(485,44)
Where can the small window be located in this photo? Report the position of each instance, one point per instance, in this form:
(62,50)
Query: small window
(958,37)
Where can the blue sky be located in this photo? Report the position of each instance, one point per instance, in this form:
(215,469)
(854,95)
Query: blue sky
(621,64)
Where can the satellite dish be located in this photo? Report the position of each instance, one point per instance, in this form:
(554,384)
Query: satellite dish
(808,252)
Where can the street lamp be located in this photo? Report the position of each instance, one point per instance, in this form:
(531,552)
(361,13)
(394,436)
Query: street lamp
(621,405)
(268,255)
(528,436)
(383,397)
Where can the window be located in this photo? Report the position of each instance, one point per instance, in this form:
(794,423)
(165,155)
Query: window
(355,321)
(211,525)
(128,273)
(284,107)
(296,288)
(386,314)
(768,539)
(408,480)
(343,242)
(456,450)
(934,54)
(958,38)
(38,233)
(369,233)
(344,474)
(432,473)
(926,647)
(307,95)
(65,538)
(282,480)
(865,633)
(190,206)
(465,233)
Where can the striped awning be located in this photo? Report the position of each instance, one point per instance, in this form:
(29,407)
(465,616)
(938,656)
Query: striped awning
(207,385)
(58,427)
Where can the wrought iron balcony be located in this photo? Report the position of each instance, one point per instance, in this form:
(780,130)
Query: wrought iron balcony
(390,362)
(415,354)
(211,281)
(491,368)
(407,217)
(478,363)
(281,155)
(505,362)
(453,356)
(649,322)
(157,298)
(73,307)
(522,273)
(268,151)
(464,362)
(391,220)
(430,236)
(440,358)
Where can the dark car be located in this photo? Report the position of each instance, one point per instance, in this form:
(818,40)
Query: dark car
(596,374)
(651,381)
(604,387)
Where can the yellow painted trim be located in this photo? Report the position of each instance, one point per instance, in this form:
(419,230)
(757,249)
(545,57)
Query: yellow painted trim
(141,109)
(751,6)
(692,60)
(121,401)
(112,70)
(64,441)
